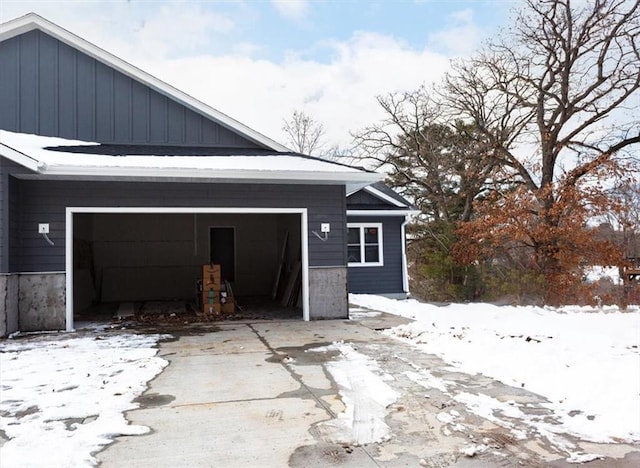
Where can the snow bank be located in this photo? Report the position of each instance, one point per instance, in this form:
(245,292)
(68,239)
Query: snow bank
(584,361)
(63,400)
(364,394)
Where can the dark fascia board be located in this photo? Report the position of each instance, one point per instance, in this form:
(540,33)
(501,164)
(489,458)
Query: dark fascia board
(32,21)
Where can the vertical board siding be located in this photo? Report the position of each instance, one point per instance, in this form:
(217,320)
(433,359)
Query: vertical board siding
(139,110)
(67,97)
(51,89)
(45,202)
(122,123)
(85,97)
(175,123)
(193,127)
(48,67)
(104,103)
(157,118)
(27,87)
(387,278)
(9,89)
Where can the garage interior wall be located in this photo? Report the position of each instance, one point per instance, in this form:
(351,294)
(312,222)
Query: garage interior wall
(139,257)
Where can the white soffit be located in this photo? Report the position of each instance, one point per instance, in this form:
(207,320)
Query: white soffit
(383,196)
(382,212)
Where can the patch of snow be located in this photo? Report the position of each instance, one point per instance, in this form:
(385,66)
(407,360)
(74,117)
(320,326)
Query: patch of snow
(65,398)
(583,457)
(364,394)
(446,418)
(594,274)
(358,314)
(428,380)
(585,361)
(507,415)
(35,146)
(473,450)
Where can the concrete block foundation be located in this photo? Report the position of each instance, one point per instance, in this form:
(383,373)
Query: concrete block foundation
(32,302)
(42,301)
(328,296)
(37,301)
(8,304)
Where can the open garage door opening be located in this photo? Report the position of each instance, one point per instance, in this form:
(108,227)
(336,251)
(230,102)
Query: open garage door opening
(147,265)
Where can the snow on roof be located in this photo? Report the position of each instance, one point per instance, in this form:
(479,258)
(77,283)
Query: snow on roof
(61,157)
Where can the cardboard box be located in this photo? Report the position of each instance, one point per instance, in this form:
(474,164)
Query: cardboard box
(209,309)
(211,274)
(228,307)
(217,288)
(210,295)
(206,296)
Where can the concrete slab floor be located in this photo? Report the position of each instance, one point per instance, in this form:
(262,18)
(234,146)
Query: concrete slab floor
(250,394)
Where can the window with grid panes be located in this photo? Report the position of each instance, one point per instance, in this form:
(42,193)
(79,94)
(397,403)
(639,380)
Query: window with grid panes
(364,244)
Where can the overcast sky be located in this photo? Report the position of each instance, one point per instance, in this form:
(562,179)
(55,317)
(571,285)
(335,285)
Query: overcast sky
(258,60)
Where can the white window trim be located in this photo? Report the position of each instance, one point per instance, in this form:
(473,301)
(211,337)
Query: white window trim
(362,263)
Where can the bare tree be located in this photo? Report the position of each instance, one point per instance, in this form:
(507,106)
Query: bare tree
(557,99)
(441,166)
(304,134)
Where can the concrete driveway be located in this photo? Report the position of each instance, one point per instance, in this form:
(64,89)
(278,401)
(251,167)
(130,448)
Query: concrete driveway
(250,394)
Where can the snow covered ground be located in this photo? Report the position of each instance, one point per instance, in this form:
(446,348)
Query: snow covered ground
(585,361)
(63,398)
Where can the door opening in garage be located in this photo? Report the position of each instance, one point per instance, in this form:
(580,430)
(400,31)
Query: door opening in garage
(222,245)
(149,263)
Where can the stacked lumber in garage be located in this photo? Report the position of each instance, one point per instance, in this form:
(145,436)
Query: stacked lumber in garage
(292,287)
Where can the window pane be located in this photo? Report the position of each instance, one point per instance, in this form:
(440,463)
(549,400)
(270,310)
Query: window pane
(353,254)
(371,253)
(371,235)
(354,236)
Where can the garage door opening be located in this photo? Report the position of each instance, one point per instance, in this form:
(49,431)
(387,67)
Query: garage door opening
(149,262)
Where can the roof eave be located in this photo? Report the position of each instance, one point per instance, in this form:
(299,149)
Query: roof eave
(238,175)
(21,158)
(399,212)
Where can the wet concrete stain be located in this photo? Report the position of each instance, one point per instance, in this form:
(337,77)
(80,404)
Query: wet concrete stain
(325,454)
(303,392)
(151,400)
(72,423)
(302,355)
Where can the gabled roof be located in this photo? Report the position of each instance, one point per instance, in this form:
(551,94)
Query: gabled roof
(378,199)
(33,21)
(50,157)
(383,192)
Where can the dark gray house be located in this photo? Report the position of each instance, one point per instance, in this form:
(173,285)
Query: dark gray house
(116,187)
(376,247)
